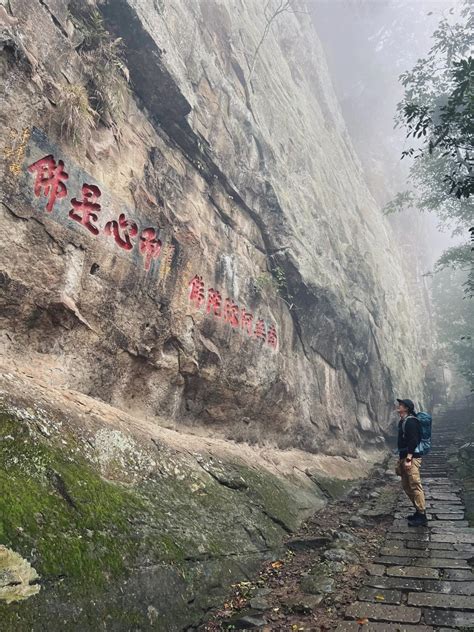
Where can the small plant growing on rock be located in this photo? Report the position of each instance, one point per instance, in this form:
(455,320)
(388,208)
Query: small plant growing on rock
(76,117)
(102,56)
(265,280)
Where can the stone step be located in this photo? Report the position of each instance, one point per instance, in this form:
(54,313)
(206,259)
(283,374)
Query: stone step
(455,538)
(450,618)
(410,552)
(353,626)
(412,571)
(387,595)
(457,574)
(403,584)
(428,562)
(382,612)
(447,602)
(413,535)
(449,516)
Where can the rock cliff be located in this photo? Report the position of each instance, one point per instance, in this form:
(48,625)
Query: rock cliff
(188,240)
(252,186)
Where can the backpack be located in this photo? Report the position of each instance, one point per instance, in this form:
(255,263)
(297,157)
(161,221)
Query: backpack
(425,428)
(424,420)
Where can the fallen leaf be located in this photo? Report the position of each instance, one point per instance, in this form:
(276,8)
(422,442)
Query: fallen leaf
(277,564)
(362,621)
(380,597)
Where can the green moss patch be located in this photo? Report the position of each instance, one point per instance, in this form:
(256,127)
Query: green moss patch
(75,521)
(154,554)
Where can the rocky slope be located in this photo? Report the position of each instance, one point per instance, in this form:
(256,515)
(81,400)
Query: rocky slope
(187,238)
(254,187)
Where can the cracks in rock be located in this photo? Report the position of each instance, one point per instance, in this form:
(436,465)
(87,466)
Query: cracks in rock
(275,519)
(60,486)
(204,557)
(54,19)
(228,221)
(236,484)
(169,117)
(40,223)
(251,535)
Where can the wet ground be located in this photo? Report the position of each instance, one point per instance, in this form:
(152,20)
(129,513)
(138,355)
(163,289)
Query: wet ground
(358,565)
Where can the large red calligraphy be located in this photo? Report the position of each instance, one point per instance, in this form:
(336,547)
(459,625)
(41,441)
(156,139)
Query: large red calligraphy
(49,179)
(129,231)
(150,246)
(85,211)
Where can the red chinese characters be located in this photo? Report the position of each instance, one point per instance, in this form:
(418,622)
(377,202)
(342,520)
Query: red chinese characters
(123,231)
(150,246)
(49,179)
(246,320)
(196,291)
(85,211)
(260,329)
(214,302)
(272,336)
(230,312)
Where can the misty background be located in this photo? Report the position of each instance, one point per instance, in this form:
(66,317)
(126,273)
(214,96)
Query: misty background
(368,44)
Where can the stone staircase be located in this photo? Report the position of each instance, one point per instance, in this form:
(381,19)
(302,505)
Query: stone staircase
(423,579)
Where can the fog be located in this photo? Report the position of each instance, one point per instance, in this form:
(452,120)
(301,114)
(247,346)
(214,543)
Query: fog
(368,44)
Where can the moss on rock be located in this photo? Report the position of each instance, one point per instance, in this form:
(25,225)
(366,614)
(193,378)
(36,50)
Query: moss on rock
(152,554)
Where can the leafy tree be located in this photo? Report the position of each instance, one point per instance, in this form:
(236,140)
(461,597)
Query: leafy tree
(454,315)
(438,104)
(437,111)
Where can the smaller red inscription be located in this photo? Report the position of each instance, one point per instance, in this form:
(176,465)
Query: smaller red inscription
(49,179)
(150,246)
(128,228)
(231,312)
(260,329)
(196,291)
(85,211)
(246,320)
(214,302)
(272,336)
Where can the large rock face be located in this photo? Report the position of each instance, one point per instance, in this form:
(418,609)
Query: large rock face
(244,166)
(202,310)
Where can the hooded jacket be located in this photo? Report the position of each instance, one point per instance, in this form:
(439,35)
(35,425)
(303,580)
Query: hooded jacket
(409,436)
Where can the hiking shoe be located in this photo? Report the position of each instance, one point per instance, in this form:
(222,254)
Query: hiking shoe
(419,520)
(412,516)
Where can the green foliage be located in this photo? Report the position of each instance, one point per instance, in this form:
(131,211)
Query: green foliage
(437,111)
(275,280)
(454,315)
(438,104)
(400,202)
(280,277)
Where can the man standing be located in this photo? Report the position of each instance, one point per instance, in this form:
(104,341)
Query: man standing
(408,467)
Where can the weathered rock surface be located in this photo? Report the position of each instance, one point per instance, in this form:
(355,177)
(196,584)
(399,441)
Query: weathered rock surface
(194,161)
(253,185)
(16,577)
(130,524)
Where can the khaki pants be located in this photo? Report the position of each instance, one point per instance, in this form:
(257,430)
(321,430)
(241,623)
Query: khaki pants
(411,482)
